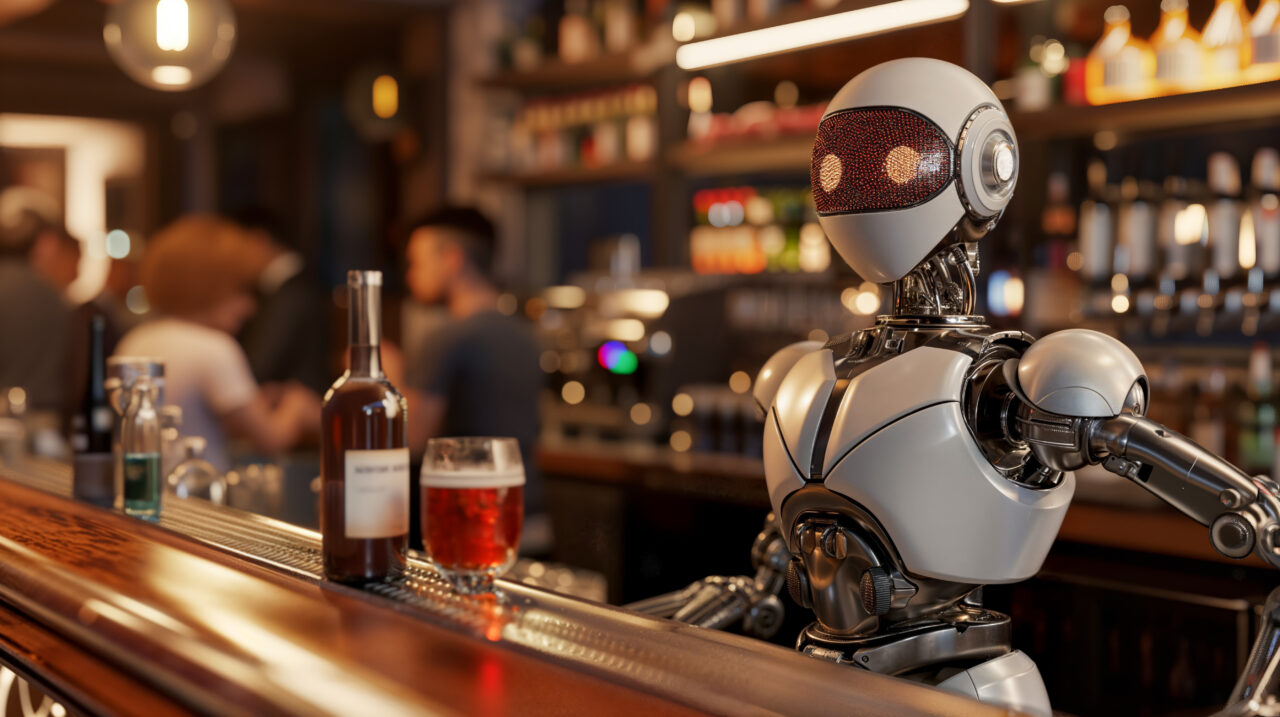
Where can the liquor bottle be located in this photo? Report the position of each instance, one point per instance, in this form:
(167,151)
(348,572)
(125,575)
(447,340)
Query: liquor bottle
(1224,212)
(1120,67)
(1264,38)
(1264,208)
(94,466)
(1226,43)
(140,443)
(365,458)
(1097,238)
(1179,54)
(1257,413)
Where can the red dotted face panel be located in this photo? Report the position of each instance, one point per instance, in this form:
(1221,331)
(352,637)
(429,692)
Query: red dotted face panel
(875,159)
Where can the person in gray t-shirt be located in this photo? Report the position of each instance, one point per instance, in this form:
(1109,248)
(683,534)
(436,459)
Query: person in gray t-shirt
(480,374)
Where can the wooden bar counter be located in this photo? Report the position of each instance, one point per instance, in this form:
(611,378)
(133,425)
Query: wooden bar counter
(214,611)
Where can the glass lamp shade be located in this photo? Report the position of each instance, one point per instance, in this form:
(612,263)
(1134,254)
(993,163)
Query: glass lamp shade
(170,45)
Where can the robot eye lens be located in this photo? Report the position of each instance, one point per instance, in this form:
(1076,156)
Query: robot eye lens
(876,159)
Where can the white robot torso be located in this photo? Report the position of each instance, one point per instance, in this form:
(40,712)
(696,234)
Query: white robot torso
(900,446)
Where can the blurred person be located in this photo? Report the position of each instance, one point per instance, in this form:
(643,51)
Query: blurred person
(196,279)
(479,375)
(56,255)
(286,339)
(34,319)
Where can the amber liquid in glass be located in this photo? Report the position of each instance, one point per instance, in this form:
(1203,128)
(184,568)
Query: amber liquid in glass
(472,529)
(364,516)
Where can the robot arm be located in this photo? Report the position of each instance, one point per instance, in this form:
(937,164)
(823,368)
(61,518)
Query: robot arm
(1082,395)
(718,602)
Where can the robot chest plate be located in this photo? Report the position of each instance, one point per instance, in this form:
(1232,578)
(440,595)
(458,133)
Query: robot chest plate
(823,411)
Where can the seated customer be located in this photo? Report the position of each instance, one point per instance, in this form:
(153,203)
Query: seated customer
(195,279)
(480,376)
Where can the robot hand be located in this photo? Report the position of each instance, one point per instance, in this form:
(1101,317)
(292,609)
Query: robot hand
(1082,399)
(718,602)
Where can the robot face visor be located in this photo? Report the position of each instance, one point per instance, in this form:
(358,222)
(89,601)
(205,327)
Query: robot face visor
(871,159)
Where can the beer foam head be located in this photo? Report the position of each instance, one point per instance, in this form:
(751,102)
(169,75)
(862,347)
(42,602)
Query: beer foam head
(475,478)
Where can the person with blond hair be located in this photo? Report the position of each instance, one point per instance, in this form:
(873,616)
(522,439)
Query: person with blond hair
(199,283)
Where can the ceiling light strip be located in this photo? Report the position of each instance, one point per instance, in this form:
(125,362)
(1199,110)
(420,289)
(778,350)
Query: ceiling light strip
(817,31)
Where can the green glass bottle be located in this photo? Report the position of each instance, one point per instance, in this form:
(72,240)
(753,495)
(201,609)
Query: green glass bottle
(140,443)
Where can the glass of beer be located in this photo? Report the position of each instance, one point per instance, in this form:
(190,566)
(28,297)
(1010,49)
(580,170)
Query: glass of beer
(472,508)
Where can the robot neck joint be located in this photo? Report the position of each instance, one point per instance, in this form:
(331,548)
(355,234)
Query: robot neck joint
(942,285)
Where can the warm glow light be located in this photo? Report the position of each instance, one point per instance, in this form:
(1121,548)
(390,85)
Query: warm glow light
(17,396)
(683,27)
(700,94)
(681,441)
(644,303)
(809,33)
(740,382)
(173,75)
(625,329)
(1119,303)
(867,303)
(1075,261)
(565,297)
(682,404)
(1119,283)
(171,25)
(1014,295)
(386,96)
(1248,242)
(1189,224)
(641,413)
(573,392)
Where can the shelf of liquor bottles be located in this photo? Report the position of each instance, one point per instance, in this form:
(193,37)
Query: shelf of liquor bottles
(1258,103)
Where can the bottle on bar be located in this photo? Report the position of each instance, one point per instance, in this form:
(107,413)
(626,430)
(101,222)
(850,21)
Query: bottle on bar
(365,458)
(94,478)
(140,443)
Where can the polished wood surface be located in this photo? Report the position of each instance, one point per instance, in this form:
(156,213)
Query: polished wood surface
(209,630)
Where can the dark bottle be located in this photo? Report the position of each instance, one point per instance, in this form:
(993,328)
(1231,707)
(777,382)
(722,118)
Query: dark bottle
(365,458)
(93,468)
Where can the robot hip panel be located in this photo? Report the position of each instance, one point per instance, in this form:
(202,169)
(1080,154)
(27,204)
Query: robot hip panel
(949,513)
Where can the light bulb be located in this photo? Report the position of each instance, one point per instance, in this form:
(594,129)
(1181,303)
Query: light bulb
(170,45)
(172,31)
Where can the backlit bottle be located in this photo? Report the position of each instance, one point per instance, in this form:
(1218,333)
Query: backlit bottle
(1264,39)
(1226,43)
(1179,54)
(365,459)
(1120,67)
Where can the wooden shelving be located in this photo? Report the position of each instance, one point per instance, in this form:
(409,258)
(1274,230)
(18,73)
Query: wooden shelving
(609,70)
(1193,110)
(616,172)
(784,154)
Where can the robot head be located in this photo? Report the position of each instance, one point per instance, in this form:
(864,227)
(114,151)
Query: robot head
(907,152)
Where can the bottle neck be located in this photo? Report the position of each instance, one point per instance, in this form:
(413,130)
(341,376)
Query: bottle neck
(97,392)
(364,336)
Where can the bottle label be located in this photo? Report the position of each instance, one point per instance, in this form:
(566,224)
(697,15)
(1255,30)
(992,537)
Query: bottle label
(377,493)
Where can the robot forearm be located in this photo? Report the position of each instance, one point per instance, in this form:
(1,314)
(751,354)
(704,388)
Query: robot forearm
(1243,512)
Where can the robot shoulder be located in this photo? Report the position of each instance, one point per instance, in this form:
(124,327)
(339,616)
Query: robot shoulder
(1081,373)
(776,369)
